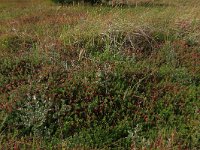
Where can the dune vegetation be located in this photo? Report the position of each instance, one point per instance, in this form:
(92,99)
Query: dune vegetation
(99,77)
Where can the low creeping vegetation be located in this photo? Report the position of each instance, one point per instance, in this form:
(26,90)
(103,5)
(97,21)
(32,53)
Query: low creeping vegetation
(83,77)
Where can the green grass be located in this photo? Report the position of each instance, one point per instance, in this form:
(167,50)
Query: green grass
(100,77)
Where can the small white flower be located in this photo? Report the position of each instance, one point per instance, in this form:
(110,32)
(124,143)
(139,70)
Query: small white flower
(34,97)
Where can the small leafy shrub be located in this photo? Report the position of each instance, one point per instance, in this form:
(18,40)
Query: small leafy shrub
(18,67)
(63,1)
(37,108)
(18,43)
(99,108)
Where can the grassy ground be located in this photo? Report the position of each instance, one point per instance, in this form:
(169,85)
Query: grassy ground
(83,77)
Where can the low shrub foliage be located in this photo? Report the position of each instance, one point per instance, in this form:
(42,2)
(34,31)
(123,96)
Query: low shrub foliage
(83,77)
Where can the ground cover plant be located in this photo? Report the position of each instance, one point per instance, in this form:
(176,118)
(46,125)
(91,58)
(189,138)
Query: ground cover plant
(100,77)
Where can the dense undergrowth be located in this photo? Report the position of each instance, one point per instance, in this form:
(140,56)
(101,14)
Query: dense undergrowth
(82,77)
